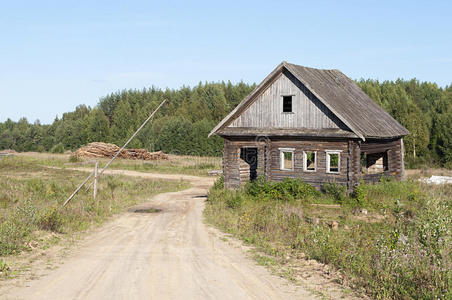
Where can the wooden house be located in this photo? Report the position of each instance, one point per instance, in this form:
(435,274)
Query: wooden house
(316,125)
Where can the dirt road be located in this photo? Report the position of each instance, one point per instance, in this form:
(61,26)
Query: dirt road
(171,254)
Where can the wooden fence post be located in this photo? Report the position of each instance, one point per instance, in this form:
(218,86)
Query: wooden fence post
(95,178)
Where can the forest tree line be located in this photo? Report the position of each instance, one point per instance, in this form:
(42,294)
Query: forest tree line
(182,126)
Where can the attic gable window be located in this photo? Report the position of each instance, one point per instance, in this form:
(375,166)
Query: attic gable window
(287,104)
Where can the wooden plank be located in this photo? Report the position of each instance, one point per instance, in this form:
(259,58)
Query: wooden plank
(266,110)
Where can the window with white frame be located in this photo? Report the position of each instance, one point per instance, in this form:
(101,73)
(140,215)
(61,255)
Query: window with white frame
(309,161)
(333,161)
(286,158)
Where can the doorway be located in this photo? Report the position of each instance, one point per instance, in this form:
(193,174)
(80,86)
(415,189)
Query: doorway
(249,156)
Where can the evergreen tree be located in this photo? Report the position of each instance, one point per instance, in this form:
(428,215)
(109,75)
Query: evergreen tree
(97,126)
(443,138)
(174,136)
(122,127)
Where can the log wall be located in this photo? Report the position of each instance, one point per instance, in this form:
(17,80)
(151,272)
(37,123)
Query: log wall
(354,175)
(268,163)
(320,175)
(234,167)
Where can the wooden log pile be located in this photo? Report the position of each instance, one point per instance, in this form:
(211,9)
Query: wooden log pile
(8,151)
(102,150)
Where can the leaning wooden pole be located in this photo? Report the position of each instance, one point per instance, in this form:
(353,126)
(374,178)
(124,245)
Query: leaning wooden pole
(109,162)
(78,189)
(123,147)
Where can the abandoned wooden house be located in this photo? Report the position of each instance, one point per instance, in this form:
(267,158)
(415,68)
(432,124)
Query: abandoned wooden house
(317,125)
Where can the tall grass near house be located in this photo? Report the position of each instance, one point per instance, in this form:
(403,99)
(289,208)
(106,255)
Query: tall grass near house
(400,249)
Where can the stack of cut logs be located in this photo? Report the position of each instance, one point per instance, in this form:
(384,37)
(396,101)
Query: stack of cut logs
(8,151)
(101,150)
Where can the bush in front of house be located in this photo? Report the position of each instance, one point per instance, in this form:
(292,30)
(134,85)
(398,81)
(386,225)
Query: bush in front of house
(336,191)
(287,190)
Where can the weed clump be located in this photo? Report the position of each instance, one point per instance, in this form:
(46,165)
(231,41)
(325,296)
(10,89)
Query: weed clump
(360,194)
(50,219)
(234,200)
(74,159)
(4,268)
(336,191)
(17,227)
(219,183)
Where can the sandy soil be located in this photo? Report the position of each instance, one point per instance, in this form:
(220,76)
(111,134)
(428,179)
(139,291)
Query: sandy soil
(170,254)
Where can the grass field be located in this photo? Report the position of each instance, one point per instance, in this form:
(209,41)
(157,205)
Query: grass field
(392,240)
(180,164)
(31,197)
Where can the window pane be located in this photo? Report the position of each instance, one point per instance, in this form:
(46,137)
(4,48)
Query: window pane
(287,161)
(334,162)
(287,104)
(310,161)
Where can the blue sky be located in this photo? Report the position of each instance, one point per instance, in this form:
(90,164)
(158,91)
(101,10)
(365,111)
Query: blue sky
(55,55)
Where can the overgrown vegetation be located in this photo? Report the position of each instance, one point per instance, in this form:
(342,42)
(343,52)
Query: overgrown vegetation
(182,126)
(31,198)
(393,239)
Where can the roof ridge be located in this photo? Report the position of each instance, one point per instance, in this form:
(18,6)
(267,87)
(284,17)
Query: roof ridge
(288,63)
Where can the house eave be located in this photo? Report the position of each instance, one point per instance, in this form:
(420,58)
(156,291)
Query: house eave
(288,132)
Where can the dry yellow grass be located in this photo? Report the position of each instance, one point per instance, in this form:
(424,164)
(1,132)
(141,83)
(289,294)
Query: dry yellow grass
(181,164)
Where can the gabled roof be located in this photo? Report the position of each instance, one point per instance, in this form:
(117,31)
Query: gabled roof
(339,94)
